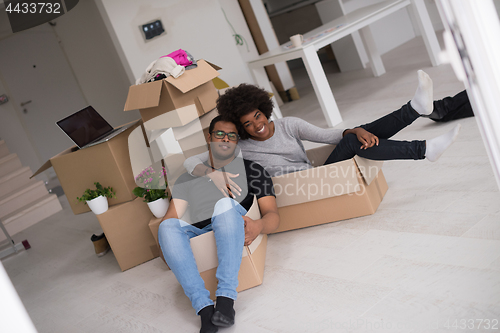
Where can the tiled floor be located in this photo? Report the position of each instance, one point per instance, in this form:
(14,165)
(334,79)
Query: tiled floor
(429,256)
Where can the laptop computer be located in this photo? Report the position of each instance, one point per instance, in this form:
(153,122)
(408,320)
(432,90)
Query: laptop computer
(88,128)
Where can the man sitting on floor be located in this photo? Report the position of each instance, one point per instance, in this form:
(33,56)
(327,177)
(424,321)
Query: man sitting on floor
(211,210)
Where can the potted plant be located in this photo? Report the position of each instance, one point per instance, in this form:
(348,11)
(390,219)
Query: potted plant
(152,185)
(97,199)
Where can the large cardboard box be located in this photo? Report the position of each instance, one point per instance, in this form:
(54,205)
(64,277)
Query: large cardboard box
(175,96)
(107,163)
(187,139)
(204,248)
(328,193)
(173,145)
(126,229)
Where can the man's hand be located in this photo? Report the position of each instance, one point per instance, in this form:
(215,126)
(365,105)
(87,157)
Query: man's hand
(253,229)
(223,181)
(366,138)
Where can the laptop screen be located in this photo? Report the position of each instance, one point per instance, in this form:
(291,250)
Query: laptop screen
(84,126)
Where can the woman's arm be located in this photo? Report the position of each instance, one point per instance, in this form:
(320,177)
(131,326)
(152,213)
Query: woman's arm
(195,167)
(194,164)
(366,138)
(307,131)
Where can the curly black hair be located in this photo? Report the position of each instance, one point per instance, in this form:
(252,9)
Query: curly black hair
(241,100)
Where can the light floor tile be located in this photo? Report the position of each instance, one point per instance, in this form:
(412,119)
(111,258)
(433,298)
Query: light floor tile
(487,228)
(435,280)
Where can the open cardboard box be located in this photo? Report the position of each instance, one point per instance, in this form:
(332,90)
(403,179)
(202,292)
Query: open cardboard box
(328,193)
(107,163)
(186,139)
(172,145)
(126,229)
(175,101)
(253,260)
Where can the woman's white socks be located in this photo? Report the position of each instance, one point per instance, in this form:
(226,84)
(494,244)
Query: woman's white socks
(422,102)
(435,147)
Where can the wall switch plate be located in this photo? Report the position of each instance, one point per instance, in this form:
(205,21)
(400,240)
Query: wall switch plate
(152,29)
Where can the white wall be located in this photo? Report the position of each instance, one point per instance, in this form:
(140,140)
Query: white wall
(84,39)
(197,26)
(95,62)
(235,16)
(14,134)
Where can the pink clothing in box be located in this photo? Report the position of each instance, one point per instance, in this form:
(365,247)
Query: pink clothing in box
(180,57)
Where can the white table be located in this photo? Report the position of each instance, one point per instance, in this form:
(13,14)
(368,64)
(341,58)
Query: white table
(335,30)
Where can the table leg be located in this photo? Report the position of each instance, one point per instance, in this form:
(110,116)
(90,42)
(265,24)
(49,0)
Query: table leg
(426,29)
(321,87)
(261,79)
(373,54)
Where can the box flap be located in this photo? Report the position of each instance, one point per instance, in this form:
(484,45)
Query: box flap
(254,211)
(189,129)
(143,96)
(316,183)
(174,118)
(48,164)
(45,166)
(258,257)
(217,68)
(255,244)
(318,156)
(193,77)
(205,249)
(369,169)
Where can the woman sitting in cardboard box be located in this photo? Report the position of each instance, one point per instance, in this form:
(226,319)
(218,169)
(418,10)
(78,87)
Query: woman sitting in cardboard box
(277,145)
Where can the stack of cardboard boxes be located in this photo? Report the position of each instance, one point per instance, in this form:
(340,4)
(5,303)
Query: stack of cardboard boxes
(125,224)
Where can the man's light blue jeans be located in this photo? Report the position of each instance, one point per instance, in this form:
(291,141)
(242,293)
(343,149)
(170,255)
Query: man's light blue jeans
(228,227)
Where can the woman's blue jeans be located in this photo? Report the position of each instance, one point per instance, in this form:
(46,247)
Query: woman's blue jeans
(228,227)
(383,128)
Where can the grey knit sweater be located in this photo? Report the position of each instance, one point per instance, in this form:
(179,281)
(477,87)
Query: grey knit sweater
(283,152)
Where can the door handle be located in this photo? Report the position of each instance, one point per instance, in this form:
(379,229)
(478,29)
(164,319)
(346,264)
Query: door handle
(24,103)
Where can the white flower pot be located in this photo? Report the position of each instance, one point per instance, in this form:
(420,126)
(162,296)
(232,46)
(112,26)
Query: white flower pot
(98,205)
(158,207)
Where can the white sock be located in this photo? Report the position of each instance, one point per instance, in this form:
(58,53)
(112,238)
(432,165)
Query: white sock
(422,101)
(435,147)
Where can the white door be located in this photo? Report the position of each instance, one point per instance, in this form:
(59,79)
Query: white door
(42,86)
(473,44)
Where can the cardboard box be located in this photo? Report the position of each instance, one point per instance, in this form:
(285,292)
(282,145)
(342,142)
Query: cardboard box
(204,248)
(107,163)
(328,193)
(194,87)
(175,144)
(176,140)
(126,229)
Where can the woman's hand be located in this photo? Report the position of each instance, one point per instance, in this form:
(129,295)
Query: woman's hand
(366,138)
(223,181)
(253,229)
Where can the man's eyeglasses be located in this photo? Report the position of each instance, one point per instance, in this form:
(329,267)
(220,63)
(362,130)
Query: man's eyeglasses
(221,134)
